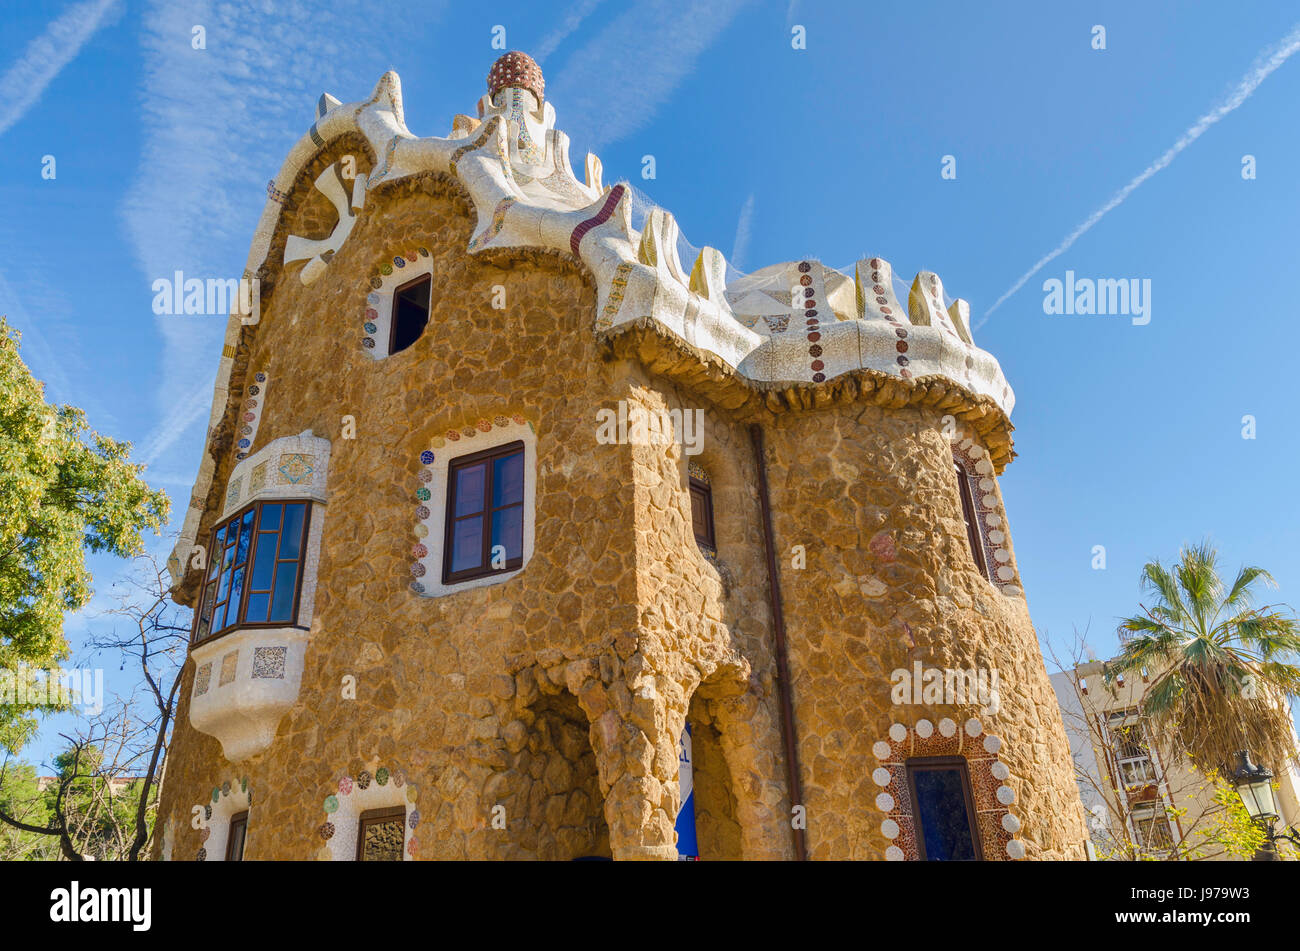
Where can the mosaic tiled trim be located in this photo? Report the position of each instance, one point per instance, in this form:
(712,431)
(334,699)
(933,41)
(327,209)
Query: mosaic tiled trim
(808,303)
(250,415)
(268,662)
(202,679)
(925,306)
(423,510)
(484,237)
(876,299)
(617,288)
(488,128)
(596,220)
(345,805)
(224,801)
(384,280)
(996,825)
(978,468)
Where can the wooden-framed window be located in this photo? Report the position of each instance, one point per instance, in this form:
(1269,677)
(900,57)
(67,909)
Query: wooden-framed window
(410,313)
(238,834)
(944,809)
(702,511)
(973,536)
(380,833)
(254,569)
(485,514)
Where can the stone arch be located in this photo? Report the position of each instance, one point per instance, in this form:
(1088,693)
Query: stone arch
(717,813)
(989,776)
(548,795)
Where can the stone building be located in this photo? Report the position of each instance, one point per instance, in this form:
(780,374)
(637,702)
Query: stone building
(500,494)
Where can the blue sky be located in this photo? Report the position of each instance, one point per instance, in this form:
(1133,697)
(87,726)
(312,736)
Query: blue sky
(1128,436)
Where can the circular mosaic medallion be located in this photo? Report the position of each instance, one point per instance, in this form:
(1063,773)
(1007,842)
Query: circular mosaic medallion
(370,327)
(399,262)
(421,531)
(363,780)
(484,426)
(819,377)
(426,475)
(368,343)
(203,855)
(254,390)
(424,252)
(376,283)
(421,512)
(385,268)
(331,803)
(417,569)
(413,819)
(345,785)
(804,267)
(500,421)
(815,351)
(805,280)
(260,378)
(426,457)
(417,587)
(518,419)
(381,776)
(423,494)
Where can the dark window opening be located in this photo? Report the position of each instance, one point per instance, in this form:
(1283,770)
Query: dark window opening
(254,569)
(973,535)
(410,313)
(485,514)
(380,833)
(944,809)
(702,514)
(238,834)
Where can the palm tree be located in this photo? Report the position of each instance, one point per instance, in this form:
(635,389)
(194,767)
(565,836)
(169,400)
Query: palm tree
(1223,671)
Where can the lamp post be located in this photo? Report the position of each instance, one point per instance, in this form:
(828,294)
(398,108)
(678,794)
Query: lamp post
(1254,784)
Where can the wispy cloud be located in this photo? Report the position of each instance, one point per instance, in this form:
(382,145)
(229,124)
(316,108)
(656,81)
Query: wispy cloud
(1265,64)
(614,84)
(218,122)
(744,226)
(46,55)
(572,20)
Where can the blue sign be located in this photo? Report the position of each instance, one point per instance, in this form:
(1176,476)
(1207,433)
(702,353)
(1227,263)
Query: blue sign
(687,848)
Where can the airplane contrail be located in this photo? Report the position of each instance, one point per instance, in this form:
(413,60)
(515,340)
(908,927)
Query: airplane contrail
(1265,64)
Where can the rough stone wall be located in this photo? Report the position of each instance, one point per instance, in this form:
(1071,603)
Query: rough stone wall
(871,494)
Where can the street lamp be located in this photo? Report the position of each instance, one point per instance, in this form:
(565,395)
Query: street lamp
(1254,784)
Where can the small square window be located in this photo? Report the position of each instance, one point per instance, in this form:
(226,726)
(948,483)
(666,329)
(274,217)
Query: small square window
(411,304)
(380,833)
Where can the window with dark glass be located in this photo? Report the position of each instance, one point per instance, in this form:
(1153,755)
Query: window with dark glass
(254,568)
(238,833)
(410,313)
(485,514)
(972,519)
(702,513)
(944,809)
(380,834)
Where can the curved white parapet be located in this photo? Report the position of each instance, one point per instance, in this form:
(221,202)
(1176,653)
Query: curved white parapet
(514,164)
(246,681)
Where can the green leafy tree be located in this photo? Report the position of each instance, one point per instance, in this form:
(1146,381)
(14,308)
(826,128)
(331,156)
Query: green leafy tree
(64,490)
(1224,671)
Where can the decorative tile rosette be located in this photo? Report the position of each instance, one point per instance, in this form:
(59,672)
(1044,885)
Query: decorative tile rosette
(353,795)
(989,776)
(231,797)
(250,415)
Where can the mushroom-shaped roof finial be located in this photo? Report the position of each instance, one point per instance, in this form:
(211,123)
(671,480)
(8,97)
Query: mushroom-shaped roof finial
(516,69)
